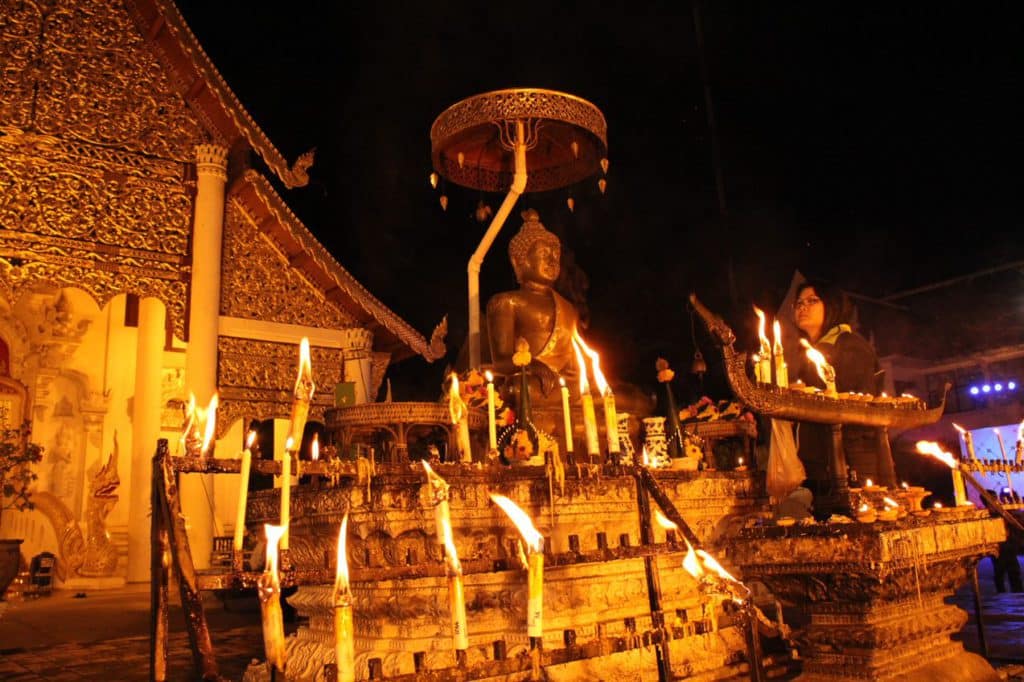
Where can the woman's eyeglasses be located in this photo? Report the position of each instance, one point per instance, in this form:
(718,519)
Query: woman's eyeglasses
(806,302)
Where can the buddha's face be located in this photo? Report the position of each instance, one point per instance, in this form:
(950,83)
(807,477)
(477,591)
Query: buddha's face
(541,263)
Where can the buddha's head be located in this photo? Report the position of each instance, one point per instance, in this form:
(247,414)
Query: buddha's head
(535,253)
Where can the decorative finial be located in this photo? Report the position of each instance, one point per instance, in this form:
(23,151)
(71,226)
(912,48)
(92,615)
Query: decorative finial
(665,373)
(522,357)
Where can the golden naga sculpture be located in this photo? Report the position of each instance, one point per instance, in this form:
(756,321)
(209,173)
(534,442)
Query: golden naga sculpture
(791,403)
(92,554)
(535,311)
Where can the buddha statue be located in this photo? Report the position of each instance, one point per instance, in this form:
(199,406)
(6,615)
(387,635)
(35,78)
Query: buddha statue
(544,318)
(535,311)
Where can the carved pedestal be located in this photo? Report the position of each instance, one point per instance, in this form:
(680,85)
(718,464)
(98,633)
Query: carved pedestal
(874,593)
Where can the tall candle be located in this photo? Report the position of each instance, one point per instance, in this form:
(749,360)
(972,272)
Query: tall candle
(969,444)
(611,423)
(243,492)
(456,590)
(1006,464)
(344,630)
(459,414)
(587,405)
(764,357)
(286,491)
(535,564)
(303,394)
(492,426)
(566,417)
(268,589)
(781,370)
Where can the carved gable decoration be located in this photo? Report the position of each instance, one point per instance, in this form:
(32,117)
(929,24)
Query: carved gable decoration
(94,150)
(81,71)
(259,283)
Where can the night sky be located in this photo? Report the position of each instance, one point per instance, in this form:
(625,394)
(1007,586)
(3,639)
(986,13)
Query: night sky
(874,145)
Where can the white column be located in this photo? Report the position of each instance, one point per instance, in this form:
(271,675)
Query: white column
(357,345)
(204,310)
(149,349)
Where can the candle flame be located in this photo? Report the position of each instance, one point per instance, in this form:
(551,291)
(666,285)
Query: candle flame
(581,363)
(711,563)
(488,376)
(664,521)
(777,333)
(595,363)
(864,508)
(438,485)
(561,381)
(938,505)
(249,440)
(928,447)
(289,444)
(531,536)
(963,432)
(314,447)
(341,584)
(274,534)
(304,386)
(904,485)
(456,407)
(889,502)
(766,347)
(644,458)
(690,562)
(868,483)
(825,370)
(451,554)
(208,417)
(190,417)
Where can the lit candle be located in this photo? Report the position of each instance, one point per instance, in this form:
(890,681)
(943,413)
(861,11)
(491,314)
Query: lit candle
(200,427)
(459,413)
(456,590)
(566,418)
(611,421)
(764,356)
(587,405)
(935,450)
(969,444)
(492,426)
(1006,463)
(344,630)
(286,490)
(314,448)
(243,492)
(781,370)
(303,395)
(268,588)
(535,565)
(439,498)
(825,370)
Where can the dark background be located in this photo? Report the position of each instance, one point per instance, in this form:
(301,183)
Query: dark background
(875,145)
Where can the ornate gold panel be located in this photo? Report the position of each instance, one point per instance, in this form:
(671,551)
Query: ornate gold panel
(80,70)
(258,282)
(257,379)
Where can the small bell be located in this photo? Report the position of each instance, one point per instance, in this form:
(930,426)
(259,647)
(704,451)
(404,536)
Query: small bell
(444,202)
(604,166)
(572,204)
(483,212)
(575,149)
(462,159)
(698,367)
(433,180)
(602,184)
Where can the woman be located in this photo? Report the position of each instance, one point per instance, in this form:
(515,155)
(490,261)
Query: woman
(824,315)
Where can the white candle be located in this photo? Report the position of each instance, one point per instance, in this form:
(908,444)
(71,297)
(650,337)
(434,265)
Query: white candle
(781,370)
(286,491)
(492,427)
(587,405)
(243,491)
(566,417)
(611,422)
(764,358)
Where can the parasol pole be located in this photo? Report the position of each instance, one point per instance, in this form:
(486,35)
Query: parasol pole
(477,259)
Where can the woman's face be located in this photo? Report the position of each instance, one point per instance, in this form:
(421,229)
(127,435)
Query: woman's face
(809,313)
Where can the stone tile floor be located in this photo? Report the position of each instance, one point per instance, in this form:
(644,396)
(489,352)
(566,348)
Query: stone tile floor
(104,636)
